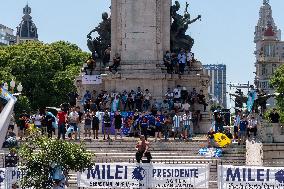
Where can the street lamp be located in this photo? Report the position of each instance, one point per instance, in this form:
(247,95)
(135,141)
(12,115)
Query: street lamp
(20,87)
(12,85)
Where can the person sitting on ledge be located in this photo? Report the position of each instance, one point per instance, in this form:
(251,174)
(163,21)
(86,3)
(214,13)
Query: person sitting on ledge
(201,100)
(91,65)
(142,148)
(168,63)
(116,63)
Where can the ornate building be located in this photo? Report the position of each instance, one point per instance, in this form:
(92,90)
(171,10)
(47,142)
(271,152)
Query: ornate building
(27,30)
(6,35)
(269,49)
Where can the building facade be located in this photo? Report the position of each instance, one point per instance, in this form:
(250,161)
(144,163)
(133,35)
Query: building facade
(218,82)
(269,50)
(27,30)
(6,35)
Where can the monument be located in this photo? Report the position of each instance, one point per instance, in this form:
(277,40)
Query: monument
(141,34)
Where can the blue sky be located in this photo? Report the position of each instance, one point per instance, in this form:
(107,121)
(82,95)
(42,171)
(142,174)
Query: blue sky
(225,34)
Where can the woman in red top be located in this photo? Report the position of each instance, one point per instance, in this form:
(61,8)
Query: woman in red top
(62,119)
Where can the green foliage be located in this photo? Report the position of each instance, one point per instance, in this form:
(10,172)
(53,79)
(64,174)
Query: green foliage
(37,66)
(266,115)
(277,82)
(40,152)
(22,104)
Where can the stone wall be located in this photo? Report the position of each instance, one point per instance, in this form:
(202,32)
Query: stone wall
(268,149)
(140,29)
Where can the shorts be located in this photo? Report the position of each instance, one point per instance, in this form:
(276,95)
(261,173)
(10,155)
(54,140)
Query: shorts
(158,129)
(117,126)
(74,125)
(87,127)
(186,127)
(236,129)
(38,126)
(107,125)
(242,133)
(95,127)
(176,129)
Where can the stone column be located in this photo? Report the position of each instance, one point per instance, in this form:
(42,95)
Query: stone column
(140,29)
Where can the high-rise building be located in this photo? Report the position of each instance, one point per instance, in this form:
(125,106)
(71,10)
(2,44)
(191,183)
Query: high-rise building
(218,80)
(269,49)
(27,30)
(6,35)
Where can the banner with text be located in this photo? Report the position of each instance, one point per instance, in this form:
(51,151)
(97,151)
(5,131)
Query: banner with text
(91,79)
(250,177)
(131,175)
(10,176)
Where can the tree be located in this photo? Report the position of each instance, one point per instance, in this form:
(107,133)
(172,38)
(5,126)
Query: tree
(40,154)
(277,82)
(38,66)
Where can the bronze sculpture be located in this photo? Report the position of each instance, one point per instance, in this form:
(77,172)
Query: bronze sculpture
(180,24)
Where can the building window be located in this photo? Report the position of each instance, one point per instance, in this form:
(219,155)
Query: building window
(269,50)
(263,70)
(264,85)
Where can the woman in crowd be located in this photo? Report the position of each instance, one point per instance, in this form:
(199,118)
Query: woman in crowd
(117,123)
(88,124)
(95,125)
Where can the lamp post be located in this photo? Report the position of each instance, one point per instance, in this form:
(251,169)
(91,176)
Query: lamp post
(12,85)
(20,87)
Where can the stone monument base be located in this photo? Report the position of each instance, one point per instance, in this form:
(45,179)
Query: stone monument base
(151,76)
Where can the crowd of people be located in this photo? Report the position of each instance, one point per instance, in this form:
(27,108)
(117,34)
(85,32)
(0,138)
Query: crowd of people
(176,62)
(172,116)
(174,99)
(245,126)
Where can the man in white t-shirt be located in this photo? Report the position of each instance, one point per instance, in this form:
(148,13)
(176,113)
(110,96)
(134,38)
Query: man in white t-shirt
(177,119)
(177,94)
(188,59)
(37,120)
(73,122)
(185,107)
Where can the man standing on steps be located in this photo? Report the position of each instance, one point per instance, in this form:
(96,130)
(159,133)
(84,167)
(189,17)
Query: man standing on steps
(142,148)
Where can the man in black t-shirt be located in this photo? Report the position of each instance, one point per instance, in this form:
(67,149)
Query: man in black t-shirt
(117,123)
(201,100)
(274,116)
(22,124)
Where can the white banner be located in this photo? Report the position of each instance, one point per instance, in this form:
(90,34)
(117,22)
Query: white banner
(91,79)
(231,177)
(10,176)
(131,175)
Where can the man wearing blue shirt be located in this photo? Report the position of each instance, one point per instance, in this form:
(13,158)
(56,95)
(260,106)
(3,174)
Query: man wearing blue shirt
(181,61)
(242,130)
